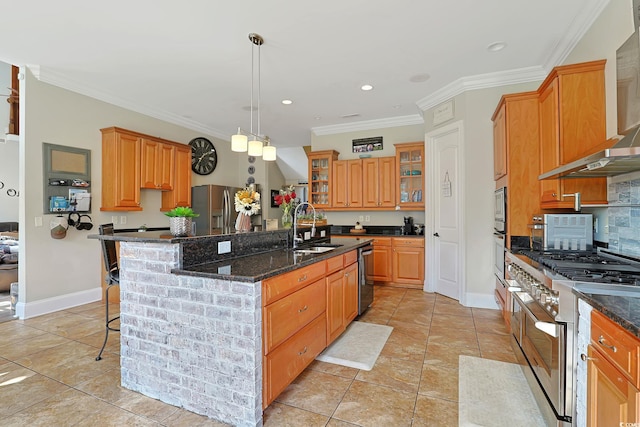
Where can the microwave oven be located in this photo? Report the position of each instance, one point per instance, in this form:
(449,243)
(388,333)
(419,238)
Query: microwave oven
(562,232)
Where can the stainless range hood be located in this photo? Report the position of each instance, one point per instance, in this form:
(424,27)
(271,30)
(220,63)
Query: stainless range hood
(623,157)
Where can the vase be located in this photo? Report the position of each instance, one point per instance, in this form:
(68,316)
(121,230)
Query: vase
(180,226)
(287,219)
(243,223)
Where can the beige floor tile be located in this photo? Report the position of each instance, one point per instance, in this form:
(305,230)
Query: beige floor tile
(500,356)
(433,412)
(454,337)
(406,343)
(338,423)
(447,356)
(96,340)
(451,309)
(316,392)
(380,316)
(106,386)
(439,381)
(184,418)
(36,344)
(494,343)
(70,364)
(398,374)
(491,326)
(14,331)
(279,415)
(21,388)
(486,313)
(420,317)
(69,325)
(330,368)
(373,405)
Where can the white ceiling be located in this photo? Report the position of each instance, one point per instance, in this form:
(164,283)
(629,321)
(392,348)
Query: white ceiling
(189,62)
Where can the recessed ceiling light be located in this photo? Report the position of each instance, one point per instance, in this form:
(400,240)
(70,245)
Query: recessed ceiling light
(318,118)
(366,87)
(419,78)
(287,101)
(348,116)
(496,47)
(397,107)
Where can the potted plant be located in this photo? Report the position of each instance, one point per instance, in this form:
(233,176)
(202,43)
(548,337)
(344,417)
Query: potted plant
(180,219)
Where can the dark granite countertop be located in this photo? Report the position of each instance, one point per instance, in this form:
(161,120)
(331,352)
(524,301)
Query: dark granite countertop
(260,266)
(372,230)
(153,236)
(625,311)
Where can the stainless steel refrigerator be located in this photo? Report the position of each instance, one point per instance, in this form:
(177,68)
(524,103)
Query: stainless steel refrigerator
(215,205)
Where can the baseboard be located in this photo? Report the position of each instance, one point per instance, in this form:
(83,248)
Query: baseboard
(481,301)
(57,303)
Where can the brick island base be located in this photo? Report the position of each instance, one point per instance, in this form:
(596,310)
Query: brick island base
(188,341)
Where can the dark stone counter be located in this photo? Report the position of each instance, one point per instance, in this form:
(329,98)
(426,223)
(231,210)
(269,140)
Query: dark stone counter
(372,230)
(625,311)
(259,266)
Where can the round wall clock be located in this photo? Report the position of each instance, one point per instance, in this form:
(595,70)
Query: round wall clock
(204,157)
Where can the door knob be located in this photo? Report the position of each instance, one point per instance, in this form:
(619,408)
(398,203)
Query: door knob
(436,234)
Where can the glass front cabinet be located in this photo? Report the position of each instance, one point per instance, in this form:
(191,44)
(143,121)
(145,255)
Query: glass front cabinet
(320,168)
(410,168)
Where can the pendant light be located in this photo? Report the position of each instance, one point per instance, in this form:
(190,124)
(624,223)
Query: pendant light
(259,145)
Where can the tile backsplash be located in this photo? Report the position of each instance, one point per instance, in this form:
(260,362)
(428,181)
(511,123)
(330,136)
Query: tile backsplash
(624,221)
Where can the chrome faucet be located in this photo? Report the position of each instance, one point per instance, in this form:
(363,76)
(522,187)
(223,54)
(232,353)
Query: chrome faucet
(297,239)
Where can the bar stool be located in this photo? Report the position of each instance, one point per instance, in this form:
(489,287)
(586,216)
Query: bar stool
(113,278)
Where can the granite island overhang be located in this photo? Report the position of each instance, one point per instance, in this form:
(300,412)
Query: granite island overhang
(191,318)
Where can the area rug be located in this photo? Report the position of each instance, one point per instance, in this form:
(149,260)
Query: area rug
(495,394)
(358,347)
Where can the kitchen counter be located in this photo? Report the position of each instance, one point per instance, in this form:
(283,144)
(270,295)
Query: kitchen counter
(625,311)
(372,230)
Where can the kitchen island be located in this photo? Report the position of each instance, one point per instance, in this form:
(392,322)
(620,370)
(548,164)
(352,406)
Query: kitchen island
(191,317)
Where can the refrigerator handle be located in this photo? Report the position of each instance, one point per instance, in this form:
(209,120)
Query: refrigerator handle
(225,214)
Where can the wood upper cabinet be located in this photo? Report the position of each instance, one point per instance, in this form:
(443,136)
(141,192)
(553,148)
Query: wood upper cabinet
(120,170)
(612,374)
(408,261)
(379,182)
(180,195)
(516,158)
(346,183)
(131,161)
(572,125)
(157,165)
(320,176)
(500,143)
(409,172)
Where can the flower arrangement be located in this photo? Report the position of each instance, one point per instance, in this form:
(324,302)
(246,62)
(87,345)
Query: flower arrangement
(247,202)
(287,201)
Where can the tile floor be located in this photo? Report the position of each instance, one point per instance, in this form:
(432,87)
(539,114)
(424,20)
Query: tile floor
(49,376)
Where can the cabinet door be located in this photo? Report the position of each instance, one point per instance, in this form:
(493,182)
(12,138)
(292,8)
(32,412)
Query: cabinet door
(339,184)
(387,182)
(354,181)
(500,144)
(408,262)
(181,193)
(156,165)
(335,306)
(409,170)
(320,177)
(120,171)
(549,144)
(611,399)
(166,167)
(382,260)
(350,293)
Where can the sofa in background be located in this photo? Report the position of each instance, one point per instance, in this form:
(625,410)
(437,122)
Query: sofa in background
(8,255)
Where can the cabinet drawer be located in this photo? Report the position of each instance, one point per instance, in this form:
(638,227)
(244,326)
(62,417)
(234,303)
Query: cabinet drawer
(334,264)
(408,242)
(287,361)
(382,241)
(350,258)
(280,286)
(286,316)
(619,346)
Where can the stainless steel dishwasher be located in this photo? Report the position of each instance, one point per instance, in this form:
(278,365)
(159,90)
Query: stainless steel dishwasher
(365,284)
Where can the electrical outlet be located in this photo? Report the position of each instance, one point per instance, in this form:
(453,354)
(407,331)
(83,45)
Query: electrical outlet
(367,218)
(123,219)
(224,247)
(114,220)
(323,233)
(360,218)
(38,221)
(307,235)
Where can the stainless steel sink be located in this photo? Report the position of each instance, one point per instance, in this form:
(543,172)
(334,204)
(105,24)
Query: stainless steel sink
(608,289)
(314,250)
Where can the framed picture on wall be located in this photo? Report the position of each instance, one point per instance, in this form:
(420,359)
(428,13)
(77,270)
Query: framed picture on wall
(274,193)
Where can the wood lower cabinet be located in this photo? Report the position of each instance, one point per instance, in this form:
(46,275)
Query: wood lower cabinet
(613,398)
(380,269)
(408,261)
(342,297)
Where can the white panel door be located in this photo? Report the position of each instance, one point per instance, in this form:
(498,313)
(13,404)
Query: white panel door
(445,257)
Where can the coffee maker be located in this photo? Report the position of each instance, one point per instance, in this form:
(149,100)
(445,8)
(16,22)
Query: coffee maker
(408,228)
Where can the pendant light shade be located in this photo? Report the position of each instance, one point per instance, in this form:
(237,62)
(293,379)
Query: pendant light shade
(268,153)
(239,142)
(255,148)
(260,145)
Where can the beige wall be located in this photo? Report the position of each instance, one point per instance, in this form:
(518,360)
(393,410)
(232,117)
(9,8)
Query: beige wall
(55,273)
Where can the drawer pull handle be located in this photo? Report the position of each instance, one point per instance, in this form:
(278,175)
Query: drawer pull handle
(300,353)
(302,279)
(602,343)
(303,309)
(584,357)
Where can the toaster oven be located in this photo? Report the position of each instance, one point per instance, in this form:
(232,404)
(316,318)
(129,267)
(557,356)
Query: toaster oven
(562,232)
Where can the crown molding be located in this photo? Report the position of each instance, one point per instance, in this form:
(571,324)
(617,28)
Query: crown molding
(482,81)
(414,119)
(54,78)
